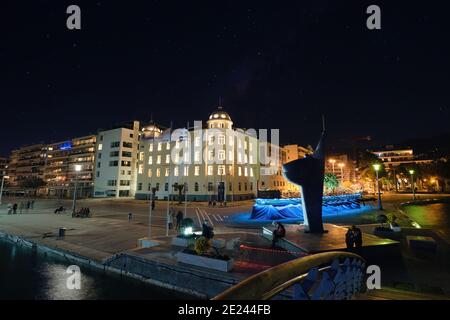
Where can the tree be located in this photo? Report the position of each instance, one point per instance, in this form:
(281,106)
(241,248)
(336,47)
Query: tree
(331,182)
(179,187)
(31,183)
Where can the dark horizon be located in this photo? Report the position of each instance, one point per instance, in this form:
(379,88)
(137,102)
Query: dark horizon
(273,67)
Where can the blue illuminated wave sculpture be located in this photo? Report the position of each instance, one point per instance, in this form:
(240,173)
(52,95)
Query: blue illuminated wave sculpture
(281,209)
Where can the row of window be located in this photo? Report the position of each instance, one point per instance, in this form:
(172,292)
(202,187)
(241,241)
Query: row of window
(123,183)
(241,158)
(116,144)
(197,143)
(242,171)
(210,187)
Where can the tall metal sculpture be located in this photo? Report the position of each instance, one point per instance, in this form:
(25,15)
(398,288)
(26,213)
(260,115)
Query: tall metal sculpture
(308,174)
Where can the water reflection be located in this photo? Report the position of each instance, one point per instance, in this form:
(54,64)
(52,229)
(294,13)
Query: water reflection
(28,275)
(431,216)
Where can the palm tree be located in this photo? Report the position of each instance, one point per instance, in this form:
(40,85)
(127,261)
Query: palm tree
(331,182)
(179,188)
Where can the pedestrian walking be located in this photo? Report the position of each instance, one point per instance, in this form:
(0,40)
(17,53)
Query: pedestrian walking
(170,219)
(130,216)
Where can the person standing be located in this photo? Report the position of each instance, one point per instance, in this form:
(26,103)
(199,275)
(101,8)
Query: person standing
(130,217)
(357,235)
(179,219)
(349,238)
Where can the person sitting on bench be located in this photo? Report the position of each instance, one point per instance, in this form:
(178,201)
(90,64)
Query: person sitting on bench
(278,233)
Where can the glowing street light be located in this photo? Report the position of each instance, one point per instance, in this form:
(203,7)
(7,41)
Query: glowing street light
(332,161)
(377,168)
(77,168)
(411,172)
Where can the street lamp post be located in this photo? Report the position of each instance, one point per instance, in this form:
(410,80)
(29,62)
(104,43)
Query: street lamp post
(74,204)
(1,188)
(332,161)
(341,166)
(377,168)
(411,172)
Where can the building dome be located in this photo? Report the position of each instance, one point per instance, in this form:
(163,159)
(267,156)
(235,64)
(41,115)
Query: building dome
(220,119)
(220,114)
(151,130)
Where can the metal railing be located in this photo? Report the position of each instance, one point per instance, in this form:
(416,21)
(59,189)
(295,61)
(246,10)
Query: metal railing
(322,276)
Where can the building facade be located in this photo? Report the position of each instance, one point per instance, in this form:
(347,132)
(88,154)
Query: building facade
(61,160)
(215,163)
(116,159)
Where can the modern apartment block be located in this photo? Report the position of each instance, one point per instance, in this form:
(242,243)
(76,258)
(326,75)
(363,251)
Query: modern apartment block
(393,157)
(116,161)
(60,172)
(26,163)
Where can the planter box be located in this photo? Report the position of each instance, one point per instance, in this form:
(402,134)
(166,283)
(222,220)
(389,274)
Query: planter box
(205,262)
(182,242)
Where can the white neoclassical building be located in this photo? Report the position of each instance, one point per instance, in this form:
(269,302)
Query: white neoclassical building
(215,162)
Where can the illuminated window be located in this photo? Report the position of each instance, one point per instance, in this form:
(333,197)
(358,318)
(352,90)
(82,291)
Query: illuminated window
(186,157)
(221,154)
(150,148)
(239,158)
(221,140)
(176,171)
(230,170)
(158,159)
(100,146)
(167,158)
(150,160)
(186,171)
(159,146)
(239,171)
(210,170)
(197,170)
(245,144)
(197,142)
(251,172)
(211,139)
(141,156)
(149,173)
(177,158)
(140,169)
(230,155)
(168,146)
(221,170)
(246,171)
(245,158)
(211,155)
(197,156)
(167,173)
(158,172)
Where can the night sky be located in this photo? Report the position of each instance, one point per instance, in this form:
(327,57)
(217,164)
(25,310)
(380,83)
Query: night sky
(275,64)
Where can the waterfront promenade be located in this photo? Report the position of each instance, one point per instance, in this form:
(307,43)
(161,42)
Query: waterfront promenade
(109,235)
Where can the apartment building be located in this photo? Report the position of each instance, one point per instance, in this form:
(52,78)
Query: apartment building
(116,161)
